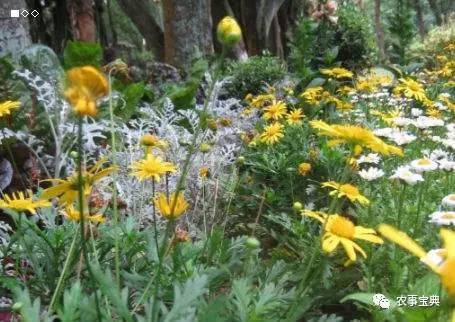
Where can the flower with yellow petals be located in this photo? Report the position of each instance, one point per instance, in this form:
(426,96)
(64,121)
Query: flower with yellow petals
(22,202)
(272,133)
(304,168)
(152,167)
(275,111)
(346,190)
(295,116)
(228,32)
(204,172)
(355,136)
(85,85)
(150,140)
(68,190)
(7,107)
(260,101)
(341,230)
(313,95)
(171,208)
(445,269)
(411,89)
(337,72)
(75,215)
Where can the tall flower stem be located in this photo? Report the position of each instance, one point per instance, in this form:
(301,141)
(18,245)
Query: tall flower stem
(400,205)
(61,279)
(80,187)
(114,177)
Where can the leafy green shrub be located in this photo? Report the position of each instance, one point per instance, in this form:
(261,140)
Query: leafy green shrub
(315,44)
(435,41)
(401,28)
(354,36)
(250,76)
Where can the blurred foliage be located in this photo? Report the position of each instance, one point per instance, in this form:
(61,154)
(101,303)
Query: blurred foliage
(81,53)
(253,75)
(315,44)
(402,30)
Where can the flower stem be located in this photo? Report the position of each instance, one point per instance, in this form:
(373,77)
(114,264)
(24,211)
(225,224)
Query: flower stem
(80,187)
(114,189)
(61,279)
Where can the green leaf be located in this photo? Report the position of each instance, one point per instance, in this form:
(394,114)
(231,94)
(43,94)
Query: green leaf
(81,53)
(132,95)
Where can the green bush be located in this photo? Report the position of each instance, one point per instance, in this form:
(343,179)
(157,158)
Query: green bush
(253,74)
(316,44)
(354,36)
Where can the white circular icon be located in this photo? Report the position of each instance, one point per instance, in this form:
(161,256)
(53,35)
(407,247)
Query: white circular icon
(377,298)
(384,303)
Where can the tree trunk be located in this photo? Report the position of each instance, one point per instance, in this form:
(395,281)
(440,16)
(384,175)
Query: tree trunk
(419,15)
(187,30)
(379,31)
(14,32)
(436,12)
(82,17)
(140,13)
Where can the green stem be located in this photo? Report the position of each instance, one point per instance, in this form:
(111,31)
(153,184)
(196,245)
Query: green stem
(114,190)
(80,187)
(400,205)
(61,279)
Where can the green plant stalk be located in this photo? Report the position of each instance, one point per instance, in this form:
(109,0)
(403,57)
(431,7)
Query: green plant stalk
(61,280)
(80,187)
(155,229)
(400,205)
(114,190)
(422,192)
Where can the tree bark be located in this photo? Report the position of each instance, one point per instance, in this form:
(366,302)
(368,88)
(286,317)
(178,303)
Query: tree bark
(436,12)
(187,30)
(379,31)
(419,15)
(14,32)
(82,17)
(140,13)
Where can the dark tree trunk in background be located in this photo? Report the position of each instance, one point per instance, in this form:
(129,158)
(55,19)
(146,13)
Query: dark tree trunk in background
(379,31)
(14,32)
(100,24)
(419,16)
(187,29)
(249,11)
(436,12)
(82,15)
(62,26)
(140,13)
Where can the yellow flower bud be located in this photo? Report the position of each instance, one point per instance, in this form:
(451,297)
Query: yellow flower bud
(228,32)
(304,168)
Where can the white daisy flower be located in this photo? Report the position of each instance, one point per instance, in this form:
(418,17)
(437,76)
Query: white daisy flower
(402,121)
(424,165)
(369,158)
(402,138)
(434,257)
(424,122)
(404,174)
(371,174)
(443,218)
(446,165)
(449,200)
(416,112)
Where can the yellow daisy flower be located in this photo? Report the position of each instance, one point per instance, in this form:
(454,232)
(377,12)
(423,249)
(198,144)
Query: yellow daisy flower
(295,116)
(68,190)
(85,85)
(171,208)
(341,230)
(346,190)
(337,72)
(72,214)
(22,202)
(313,94)
(152,167)
(411,89)
(272,133)
(445,270)
(355,136)
(7,107)
(275,111)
